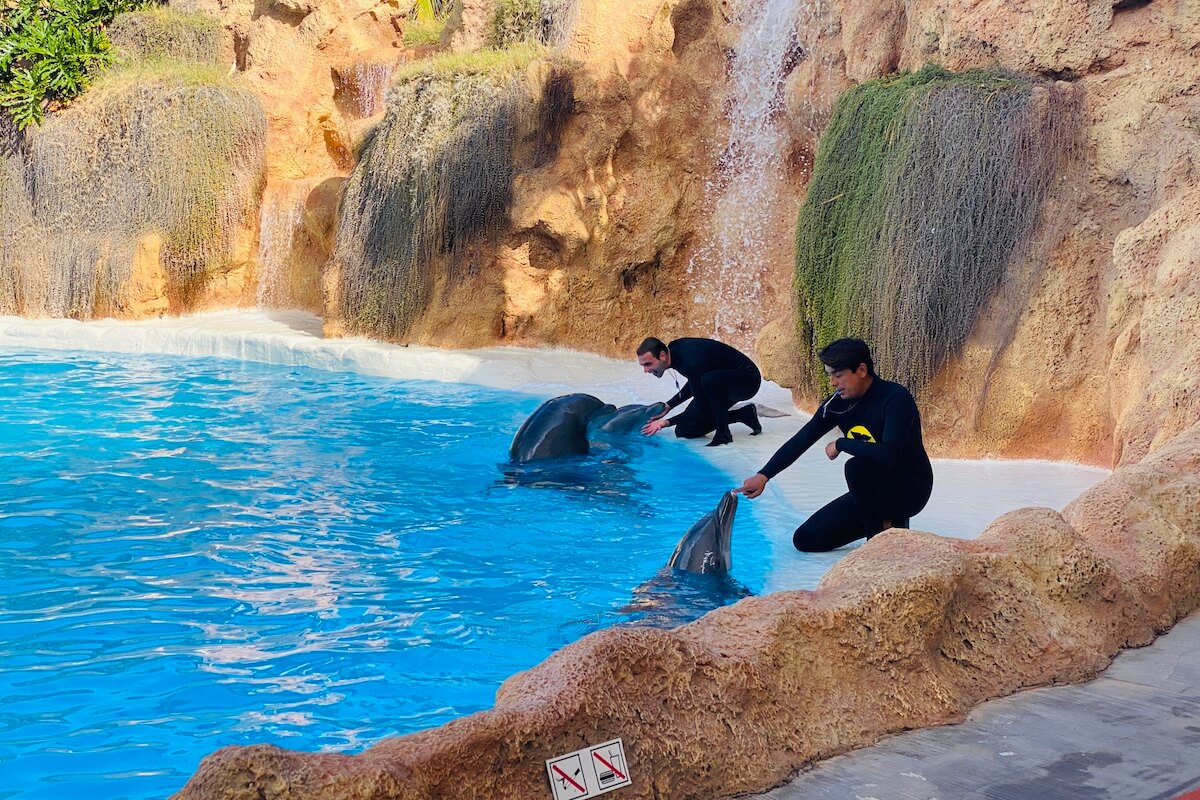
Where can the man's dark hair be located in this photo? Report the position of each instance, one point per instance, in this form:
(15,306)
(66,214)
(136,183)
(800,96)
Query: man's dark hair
(847,354)
(652,345)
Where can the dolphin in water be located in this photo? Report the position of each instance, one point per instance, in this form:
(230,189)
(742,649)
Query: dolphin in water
(674,597)
(624,420)
(695,579)
(559,427)
(705,548)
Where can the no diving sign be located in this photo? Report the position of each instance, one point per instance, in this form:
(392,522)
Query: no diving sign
(588,772)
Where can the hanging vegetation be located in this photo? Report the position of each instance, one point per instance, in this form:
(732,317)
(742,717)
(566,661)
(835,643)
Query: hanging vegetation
(163,33)
(529,21)
(927,187)
(436,175)
(15,215)
(172,150)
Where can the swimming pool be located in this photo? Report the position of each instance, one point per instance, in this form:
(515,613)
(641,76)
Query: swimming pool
(203,552)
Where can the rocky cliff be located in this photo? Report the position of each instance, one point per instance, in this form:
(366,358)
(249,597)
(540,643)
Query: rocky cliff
(612,237)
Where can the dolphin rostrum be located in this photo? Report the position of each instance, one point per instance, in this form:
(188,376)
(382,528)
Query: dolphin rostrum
(624,420)
(705,547)
(559,427)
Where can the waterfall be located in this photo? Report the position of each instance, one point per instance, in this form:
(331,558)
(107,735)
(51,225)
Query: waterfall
(729,266)
(281,219)
(370,82)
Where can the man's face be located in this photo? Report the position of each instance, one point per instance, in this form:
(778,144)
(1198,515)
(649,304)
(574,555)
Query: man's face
(849,383)
(653,364)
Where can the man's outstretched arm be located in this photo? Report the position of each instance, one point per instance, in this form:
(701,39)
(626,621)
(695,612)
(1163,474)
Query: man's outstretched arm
(786,455)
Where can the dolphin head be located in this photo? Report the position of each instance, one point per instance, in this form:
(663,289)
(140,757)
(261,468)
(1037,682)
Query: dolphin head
(557,428)
(705,547)
(624,420)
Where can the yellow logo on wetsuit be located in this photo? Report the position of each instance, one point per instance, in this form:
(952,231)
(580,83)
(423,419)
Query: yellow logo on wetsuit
(859,433)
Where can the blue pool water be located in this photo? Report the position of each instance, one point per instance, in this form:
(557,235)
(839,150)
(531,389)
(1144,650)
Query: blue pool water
(200,552)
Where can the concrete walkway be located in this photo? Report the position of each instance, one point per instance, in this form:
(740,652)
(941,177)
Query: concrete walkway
(1131,734)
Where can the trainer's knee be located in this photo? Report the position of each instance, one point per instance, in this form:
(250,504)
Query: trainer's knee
(853,469)
(690,430)
(810,538)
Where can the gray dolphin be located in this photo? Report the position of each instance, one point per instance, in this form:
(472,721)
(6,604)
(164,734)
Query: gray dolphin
(674,597)
(624,420)
(705,547)
(559,427)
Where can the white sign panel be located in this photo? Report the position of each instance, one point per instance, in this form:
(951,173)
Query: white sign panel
(588,772)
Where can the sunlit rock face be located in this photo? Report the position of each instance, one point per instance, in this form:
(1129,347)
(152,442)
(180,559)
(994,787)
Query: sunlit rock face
(1094,369)
(597,243)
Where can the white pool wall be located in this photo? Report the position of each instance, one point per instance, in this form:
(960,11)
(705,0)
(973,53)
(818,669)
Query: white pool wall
(967,495)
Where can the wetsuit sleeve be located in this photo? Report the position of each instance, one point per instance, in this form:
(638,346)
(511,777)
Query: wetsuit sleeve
(899,419)
(683,394)
(794,447)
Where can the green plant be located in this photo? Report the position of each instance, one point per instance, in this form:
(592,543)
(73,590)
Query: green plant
(522,21)
(163,33)
(423,31)
(51,49)
(926,187)
(428,9)
(453,66)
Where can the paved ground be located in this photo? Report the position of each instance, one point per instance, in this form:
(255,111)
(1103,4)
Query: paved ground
(1131,734)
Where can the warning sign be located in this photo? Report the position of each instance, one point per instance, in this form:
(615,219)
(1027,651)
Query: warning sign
(566,775)
(589,772)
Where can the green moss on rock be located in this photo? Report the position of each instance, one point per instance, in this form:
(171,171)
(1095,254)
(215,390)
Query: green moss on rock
(435,177)
(162,33)
(173,150)
(927,186)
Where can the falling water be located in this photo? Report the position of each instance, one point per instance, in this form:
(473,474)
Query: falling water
(362,91)
(282,218)
(752,166)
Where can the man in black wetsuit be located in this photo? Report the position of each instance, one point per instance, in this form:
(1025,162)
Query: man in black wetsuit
(717,377)
(889,474)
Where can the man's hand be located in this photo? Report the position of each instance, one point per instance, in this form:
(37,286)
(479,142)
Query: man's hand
(753,486)
(654,426)
(831,450)
(660,415)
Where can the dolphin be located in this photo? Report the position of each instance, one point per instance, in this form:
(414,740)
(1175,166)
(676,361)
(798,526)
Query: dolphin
(624,420)
(696,579)
(559,427)
(705,548)
(674,597)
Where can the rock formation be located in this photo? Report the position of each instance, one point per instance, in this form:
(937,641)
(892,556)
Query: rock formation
(1083,375)
(1103,366)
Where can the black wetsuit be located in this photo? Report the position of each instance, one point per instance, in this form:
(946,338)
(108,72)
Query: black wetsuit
(717,377)
(889,475)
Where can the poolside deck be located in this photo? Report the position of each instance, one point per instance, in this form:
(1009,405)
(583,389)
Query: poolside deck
(1131,734)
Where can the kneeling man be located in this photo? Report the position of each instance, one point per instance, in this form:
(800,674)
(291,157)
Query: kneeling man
(889,475)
